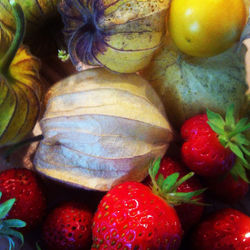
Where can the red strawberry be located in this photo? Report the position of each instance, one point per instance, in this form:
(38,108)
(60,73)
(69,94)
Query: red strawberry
(68,226)
(211,144)
(130,216)
(227,229)
(231,187)
(194,211)
(23,185)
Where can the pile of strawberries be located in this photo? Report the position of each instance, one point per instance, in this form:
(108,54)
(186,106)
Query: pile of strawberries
(169,210)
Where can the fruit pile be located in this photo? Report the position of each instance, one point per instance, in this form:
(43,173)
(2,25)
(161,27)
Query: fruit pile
(124,124)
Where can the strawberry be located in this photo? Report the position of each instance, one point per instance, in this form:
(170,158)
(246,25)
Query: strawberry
(212,143)
(25,187)
(226,229)
(169,166)
(131,216)
(68,226)
(232,186)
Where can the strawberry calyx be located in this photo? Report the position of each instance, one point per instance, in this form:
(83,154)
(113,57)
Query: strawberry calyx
(231,135)
(239,170)
(167,188)
(7,225)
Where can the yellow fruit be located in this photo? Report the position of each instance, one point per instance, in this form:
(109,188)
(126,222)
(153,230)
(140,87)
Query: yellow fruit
(119,35)
(206,27)
(100,129)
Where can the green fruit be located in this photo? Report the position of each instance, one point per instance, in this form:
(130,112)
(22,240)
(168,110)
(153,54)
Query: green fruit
(189,85)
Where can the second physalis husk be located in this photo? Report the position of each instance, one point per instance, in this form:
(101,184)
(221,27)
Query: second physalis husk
(119,35)
(101,128)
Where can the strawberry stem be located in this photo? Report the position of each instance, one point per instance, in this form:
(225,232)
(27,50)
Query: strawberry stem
(18,38)
(167,188)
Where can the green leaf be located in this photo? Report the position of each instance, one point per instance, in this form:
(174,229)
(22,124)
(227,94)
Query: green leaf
(160,180)
(183,179)
(11,232)
(244,150)
(216,129)
(241,139)
(11,243)
(14,223)
(6,207)
(215,119)
(239,171)
(240,127)
(169,182)
(38,247)
(0,195)
(236,150)
(230,121)
(153,170)
(223,140)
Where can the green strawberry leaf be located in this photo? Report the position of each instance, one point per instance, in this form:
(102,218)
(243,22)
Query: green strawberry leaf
(245,151)
(241,126)
(6,207)
(182,180)
(160,180)
(241,139)
(38,247)
(216,129)
(216,119)
(14,223)
(230,121)
(238,170)
(154,168)
(11,232)
(169,182)
(11,243)
(236,150)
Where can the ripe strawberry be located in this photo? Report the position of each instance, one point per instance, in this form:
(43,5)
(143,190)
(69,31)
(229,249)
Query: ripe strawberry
(194,211)
(227,229)
(68,226)
(212,144)
(131,216)
(23,185)
(232,186)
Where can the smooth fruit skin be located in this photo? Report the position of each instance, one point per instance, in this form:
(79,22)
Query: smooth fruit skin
(228,189)
(227,229)
(130,216)
(23,185)
(170,166)
(68,226)
(201,151)
(208,27)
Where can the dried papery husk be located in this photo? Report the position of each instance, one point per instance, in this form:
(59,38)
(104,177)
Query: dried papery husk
(189,85)
(37,13)
(119,35)
(100,129)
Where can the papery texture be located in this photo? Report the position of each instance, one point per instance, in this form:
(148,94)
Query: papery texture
(120,35)
(20,93)
(36,13)
(189,85)
(100,129)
